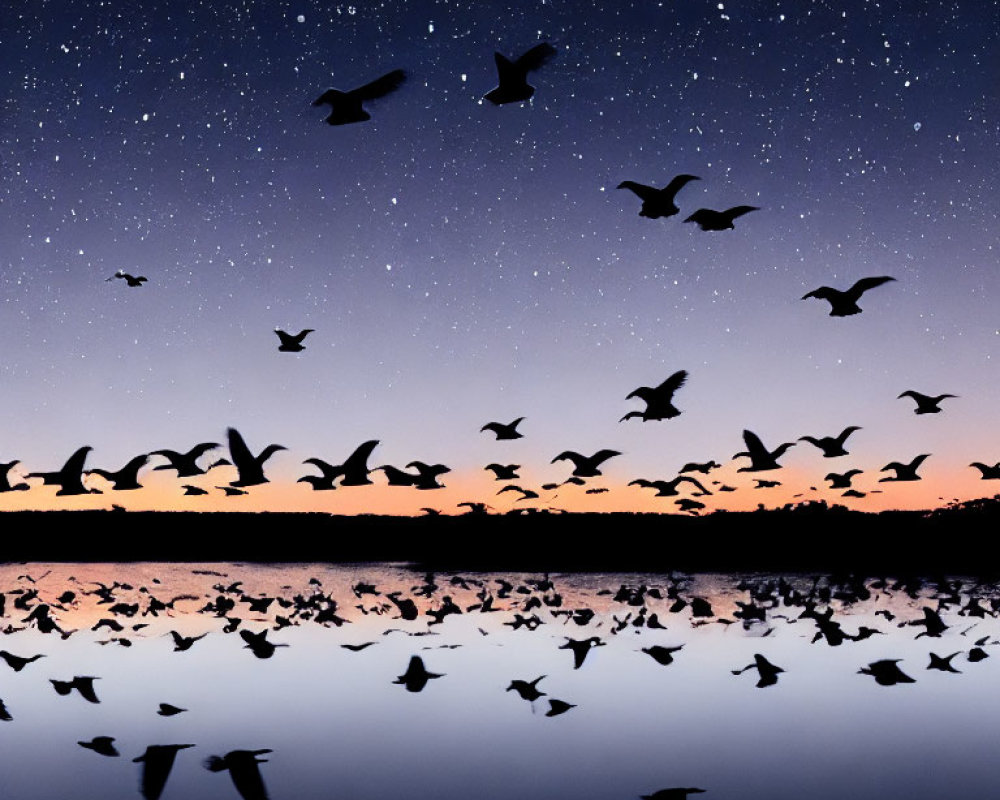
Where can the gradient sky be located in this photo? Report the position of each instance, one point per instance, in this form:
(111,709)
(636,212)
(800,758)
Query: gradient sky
(462,262)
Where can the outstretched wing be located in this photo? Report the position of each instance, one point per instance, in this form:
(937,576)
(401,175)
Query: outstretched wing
(535,57)
(865,284)
(739,211)
(641,190)
(358,460)
(678,183)
(673,383)
(754,445)
(380,86)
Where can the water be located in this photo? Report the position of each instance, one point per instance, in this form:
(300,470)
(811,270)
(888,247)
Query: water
(339,725)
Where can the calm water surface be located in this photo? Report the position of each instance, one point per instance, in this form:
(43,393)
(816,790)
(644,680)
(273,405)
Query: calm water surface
(340,723)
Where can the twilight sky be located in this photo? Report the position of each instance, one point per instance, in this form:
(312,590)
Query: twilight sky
(462,262)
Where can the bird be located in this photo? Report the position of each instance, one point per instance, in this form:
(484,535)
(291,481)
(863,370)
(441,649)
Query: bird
(69,479)
(658,203)
(185,642)
(761,459)
(989,473)
(767,672)
(703,468)
(157,761)
(5,484)
(943,663)
(580,648)
(190,489)
(669,488)
(353,472)
(258,644)
(345,107)
(5,715)
(104,745)
(504,472)
(886,672)
(904,472)
(249,466)
(186,464)
(17,663)
(526,494)
(925,403)
(292,343)
(527,690)
(512,76)
(658,399)
(242,766)
(125,479)
(84,684)
(131,280)
(841,480)
(710,220)
(660,654)
(502,431)
(584,466)
(232,491)
(832,446)
(689,505)
(674,793)
(845,303)
(416,676)
(168,710)
(427,477)
(557,707)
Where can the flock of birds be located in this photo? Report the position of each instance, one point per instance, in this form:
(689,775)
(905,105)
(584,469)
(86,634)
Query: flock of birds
(822,609)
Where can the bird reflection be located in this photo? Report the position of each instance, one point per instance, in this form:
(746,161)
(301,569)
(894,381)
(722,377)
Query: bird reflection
(84,684)
(416,676)
(243,769)
(157,762)
(767,672)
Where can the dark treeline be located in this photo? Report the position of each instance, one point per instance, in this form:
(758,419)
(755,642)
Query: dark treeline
(806,537)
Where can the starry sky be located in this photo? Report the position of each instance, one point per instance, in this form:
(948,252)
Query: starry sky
(462,262)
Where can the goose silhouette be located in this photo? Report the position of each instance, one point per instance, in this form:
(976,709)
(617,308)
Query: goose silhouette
(586,466)
(832,446)
(761,459)
(125,479)
(657,203)
(186,464)
(157,761)
(926,404)
(710,220)
(243,770)
(292,343)
(70,477)
(845,303)
(989,473)
(904,472)
(658,399)
(5,484)
(249,466)
(512,76)
(504,431)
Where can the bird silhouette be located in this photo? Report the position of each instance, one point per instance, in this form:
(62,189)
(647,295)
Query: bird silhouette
(925,403)
(190,489)
(844,304)
(184,642)
(658,399)
(557,707)
(504,472)
(584,466)
(904,472)
(766,671)
(688,505)
(131,280)
(104,745)
(186,464)
(84,684)
(580,648)
(528,690)
(832,446)
(70,477)
(526,494)
(157,761)
(943,663)
(704,468)
(761,459)
(428,474)
(5,484)
(249,466)
(512,76)
(886,672)
(989,473)
(502,431)
(345,107)
(674,793)
(168,710)
(17,663)
(5,715)
(292,343)
(353,472)
(658,203)
(258,644)
(669,488)
(125,479)
(232,491)
(243,769)
(709,220)
(416,676)
(841,480)
(660,654)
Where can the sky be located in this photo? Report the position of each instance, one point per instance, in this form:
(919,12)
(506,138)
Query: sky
(462,262)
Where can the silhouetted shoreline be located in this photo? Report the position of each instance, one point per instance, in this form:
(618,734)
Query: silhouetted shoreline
(807,537)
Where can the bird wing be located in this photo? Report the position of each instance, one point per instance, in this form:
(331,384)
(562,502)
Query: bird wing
(678,183)
(245,773)
(243,459)
(603,455)
(641,190)
(358,460)
(380,86)
(330,97)
(863,285)
(673,383)
(535,57)
(755,446)
(823,293)
(330,472)
(74,464)
(739,211)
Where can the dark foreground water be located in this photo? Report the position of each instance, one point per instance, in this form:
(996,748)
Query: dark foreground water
(342,724)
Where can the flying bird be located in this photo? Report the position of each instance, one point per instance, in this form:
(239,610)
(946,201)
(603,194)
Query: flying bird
(157,762)
(675,793)
(989,473)
(125,479)
(427,474)
(925,403)
(709,220)
(526,494)
(502,431)
(528,690)
(841,480)
(658,399)
(70,477)
(249,466)
(660,654)
(512,76)
(886,672)
(191,489)
(703,468)
(104,745)
(416,676)
(292,343)
(84,684)
(904,472)
(186,464)
(669,488)
(243,769)
(584,466)
(844,304)
(832,446)
(504,472)
(658,203)
(580,648)
(761,459)
(766,671)
(17,663)
(557,707)
(345,107)
(131,280)
(353,472)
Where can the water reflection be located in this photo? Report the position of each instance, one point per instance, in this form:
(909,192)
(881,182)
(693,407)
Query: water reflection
(194,669)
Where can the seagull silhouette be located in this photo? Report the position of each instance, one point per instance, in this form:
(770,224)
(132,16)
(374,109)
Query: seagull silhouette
(131,280)
(703,468)
(886,672)
(841,480)
(925,403)
(660,654)
(70,477)
(157,762)
(513,75)
(584,466)
(761,459)
(669,488)
(353,472)
(658,203)
(580,648)
(508,431)
(844,304)
(243,769)
(428,474)
(125,479)
(989,473)
(709,220)
(258,643)
(292,343)
(504,472)
(249,466)
(185,642)
(345,107)
(526,494)
(17,663)
(832,446)
(186,464)
(658,399)
(904,472)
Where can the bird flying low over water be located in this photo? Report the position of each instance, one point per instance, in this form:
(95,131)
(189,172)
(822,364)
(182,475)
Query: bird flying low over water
(904,472)
(709,220)
(249,466)
(502,431)
(70,477)
(292,343)
(345,107)
(583,466)
(845,303)
(760,457)
(767,672)
(658,399)
(512,76)
(658,203)
(832,446)
(925,403)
